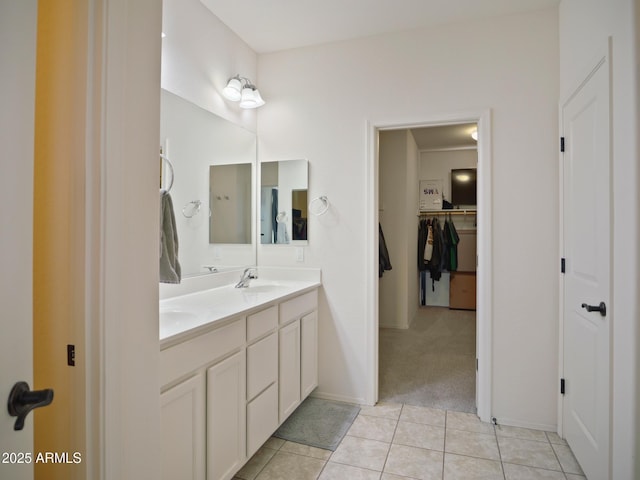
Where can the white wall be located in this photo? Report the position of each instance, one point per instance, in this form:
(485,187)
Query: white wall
(398,201)
(199,55)
(508,64)
(584,29)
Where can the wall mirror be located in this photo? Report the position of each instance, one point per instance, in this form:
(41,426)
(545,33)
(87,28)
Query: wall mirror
(213,162)
(230,203)
(283,202)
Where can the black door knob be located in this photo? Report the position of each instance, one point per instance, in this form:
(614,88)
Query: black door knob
(22,400)
(602,308)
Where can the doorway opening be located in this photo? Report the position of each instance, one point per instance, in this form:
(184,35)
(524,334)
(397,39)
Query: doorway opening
(414,296)
(427,302)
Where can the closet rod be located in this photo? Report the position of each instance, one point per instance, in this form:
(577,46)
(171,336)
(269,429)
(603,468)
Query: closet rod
(447,212)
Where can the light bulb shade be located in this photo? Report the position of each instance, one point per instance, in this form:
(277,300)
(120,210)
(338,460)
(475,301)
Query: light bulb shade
(248,99)
(258,98)
(251,97)
(233,89)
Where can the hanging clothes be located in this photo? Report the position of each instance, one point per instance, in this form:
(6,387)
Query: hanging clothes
(384,262)
(452,239)
(435,264)
(274,214)
(447,241)
(428,248)
(282,235)
(422,241)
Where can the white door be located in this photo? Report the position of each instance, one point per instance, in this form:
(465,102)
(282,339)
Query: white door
(587,233)
(17,96)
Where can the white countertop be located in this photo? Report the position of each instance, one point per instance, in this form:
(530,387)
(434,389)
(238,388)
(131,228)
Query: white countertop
(184,316)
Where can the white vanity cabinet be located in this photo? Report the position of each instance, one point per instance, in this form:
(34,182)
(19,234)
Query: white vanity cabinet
(226,417)
(298,351)
(202,404)
(226,391)
(183,430)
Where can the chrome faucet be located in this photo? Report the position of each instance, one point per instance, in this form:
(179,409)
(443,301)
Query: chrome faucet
(248,275)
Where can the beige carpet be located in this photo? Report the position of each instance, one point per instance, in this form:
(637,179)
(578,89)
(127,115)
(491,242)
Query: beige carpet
(432,364)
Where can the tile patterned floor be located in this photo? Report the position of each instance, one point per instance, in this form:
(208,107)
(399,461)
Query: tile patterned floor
(403,442)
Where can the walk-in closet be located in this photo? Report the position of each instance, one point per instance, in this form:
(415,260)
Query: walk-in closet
(427,205)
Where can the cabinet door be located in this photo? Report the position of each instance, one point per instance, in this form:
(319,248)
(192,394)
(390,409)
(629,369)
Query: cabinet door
(308,353)
(226,417)
(183,430)
(289,369)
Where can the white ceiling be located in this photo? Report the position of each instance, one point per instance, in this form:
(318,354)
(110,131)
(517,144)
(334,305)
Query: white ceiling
(273,25)
(445,137)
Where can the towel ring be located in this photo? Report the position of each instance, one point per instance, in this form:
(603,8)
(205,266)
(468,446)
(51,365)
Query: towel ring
(170,165)
(195,208)
(323,209)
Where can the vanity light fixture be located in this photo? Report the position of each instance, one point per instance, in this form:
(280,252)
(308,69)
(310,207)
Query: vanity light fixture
(240,89)
(474,134)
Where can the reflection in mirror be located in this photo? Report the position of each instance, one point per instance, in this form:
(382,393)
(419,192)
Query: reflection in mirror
(230,203)
(194,140)
(283,202)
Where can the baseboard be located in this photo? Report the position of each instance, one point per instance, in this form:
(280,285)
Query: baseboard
(510,422)
(338,398)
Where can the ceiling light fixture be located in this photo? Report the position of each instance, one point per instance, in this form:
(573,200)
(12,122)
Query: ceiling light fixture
(240,89)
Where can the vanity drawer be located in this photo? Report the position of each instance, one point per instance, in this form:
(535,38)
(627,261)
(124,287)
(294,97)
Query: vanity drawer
(262,322)
(188,356)
(296,307)
(262,418)
(262,365)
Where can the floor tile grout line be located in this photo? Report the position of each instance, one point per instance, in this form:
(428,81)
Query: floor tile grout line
(495,433)
(386,459)
(268,461)
(308,446)
(558,459)
(444,444)
(349,465)
(326,462)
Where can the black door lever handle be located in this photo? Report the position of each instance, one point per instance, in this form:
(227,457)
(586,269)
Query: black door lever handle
(602,308)
(22,400)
